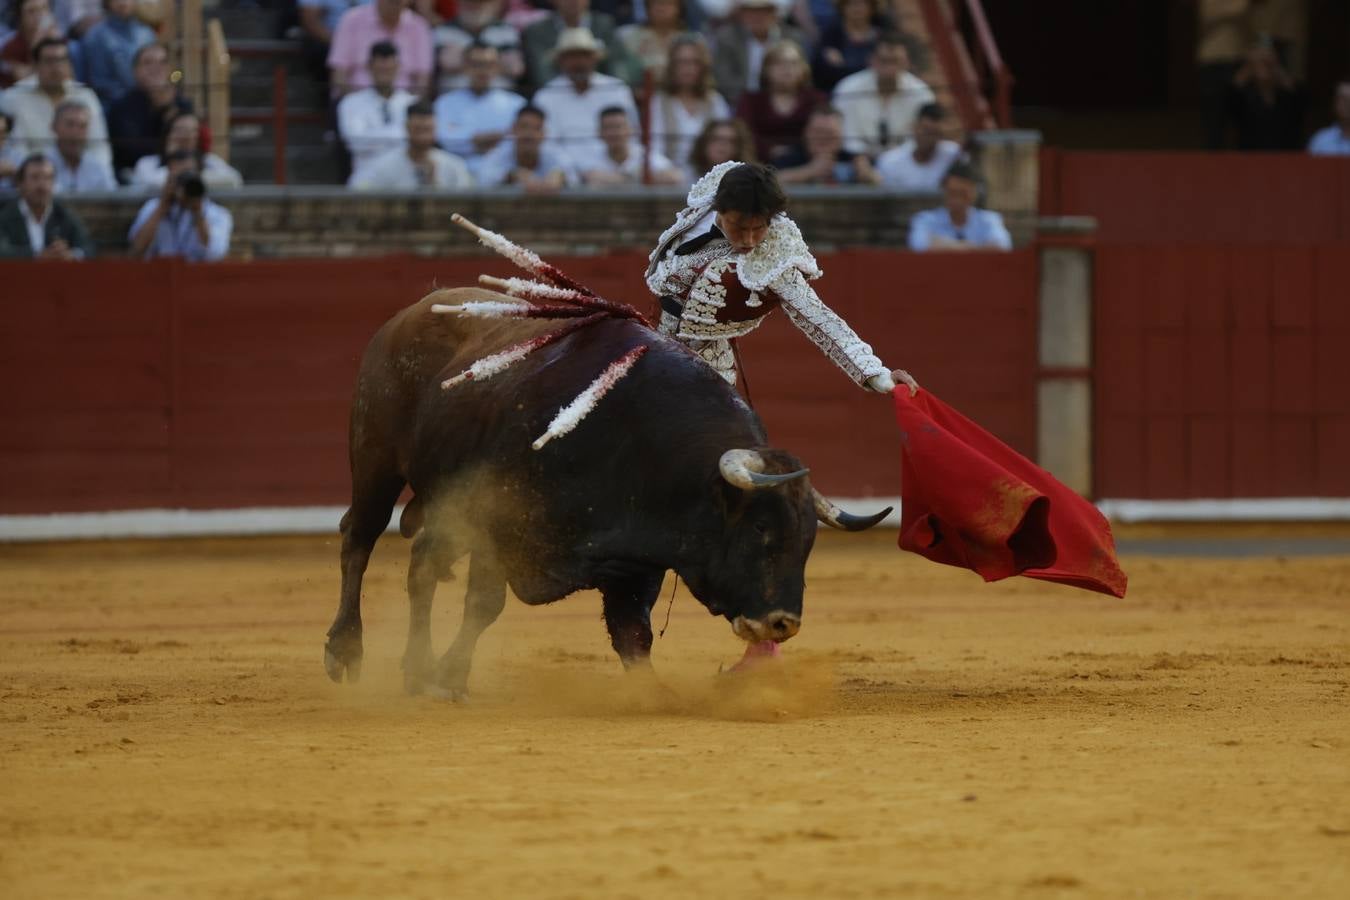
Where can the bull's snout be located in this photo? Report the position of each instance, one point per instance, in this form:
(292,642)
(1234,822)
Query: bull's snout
(776,626)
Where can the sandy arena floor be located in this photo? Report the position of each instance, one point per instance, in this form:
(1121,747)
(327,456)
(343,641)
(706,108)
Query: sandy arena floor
(166,729)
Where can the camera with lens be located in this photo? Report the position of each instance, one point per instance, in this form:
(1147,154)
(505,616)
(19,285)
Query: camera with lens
(191,184)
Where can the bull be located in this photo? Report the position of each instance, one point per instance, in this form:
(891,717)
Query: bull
(670,471)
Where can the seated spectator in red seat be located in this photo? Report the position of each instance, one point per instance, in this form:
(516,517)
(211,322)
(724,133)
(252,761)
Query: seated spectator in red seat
(650,42)
(722,140)
(881,102)
(846,46)
(37,226)
(526,160)
(958,225)
(479,22)
(381,20)
(182,220)
(820,158)
(33,101)
(10,155)
(77,170)
(617,159)
(33,22)
(110,46)
(541,41)
(1265,104)
(473,119)
(920,162)
(573,99)
(776,113)
(1334,140)
(184,134)
(373,120)
(741,47)
(418,164)
(137,122)
(685,101)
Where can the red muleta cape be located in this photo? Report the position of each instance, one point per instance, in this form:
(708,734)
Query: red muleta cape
(969,500)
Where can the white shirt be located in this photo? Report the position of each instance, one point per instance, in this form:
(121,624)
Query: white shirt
(461,114)
(37,228)
(572,120)
(595,158)
(177,232)
(218,175)
(32,110)
(866,111)
(371,124)
(754,61)
(90,174)
(674,128)
(900,170)
(492,168)
(394,171)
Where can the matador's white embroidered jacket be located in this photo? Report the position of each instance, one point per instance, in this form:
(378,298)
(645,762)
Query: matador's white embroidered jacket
(721,294)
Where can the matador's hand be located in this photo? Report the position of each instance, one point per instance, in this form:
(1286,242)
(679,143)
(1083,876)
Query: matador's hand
(884,382)
(906,379)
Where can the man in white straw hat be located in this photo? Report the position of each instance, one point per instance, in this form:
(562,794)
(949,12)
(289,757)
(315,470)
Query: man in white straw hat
(573,99)
(540,39)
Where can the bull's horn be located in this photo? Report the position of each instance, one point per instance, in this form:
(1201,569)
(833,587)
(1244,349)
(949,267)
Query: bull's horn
(745,469)
(835,517)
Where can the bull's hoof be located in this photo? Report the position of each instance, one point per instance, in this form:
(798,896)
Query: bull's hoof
(454,695)
(338,664)
(417,674)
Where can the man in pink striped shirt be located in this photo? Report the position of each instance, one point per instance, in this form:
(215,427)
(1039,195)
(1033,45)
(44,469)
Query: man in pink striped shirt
(382,20)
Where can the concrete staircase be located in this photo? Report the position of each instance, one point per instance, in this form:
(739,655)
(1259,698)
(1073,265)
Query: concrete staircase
(259,47)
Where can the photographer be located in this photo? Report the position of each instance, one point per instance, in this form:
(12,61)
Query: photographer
(181,221)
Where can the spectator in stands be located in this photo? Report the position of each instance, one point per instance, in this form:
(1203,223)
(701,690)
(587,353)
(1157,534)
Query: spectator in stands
(542,39)
(318,21)
(820,158)
(479,22)
(1265,104)
(650,42)
(416,165)
(573,99)
(138,121)
(184,133)
(372,121)
(525,159)
(36,225)
(721,140)
(776,113)
(920,162)
(381,20)
(881,102)
(33,102)
(618,158)
(10,155)
(182,220)
(958,224)
(77,171)
(846,46)
(741,47)
(1222,38)
(471,120)
(1334,140)
(685,101)
(110,47)
(33,22)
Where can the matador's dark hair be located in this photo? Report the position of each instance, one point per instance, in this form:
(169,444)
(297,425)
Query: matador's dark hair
(751,189)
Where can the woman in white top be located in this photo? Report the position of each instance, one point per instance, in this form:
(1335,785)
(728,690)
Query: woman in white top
(184,132)
(686,101)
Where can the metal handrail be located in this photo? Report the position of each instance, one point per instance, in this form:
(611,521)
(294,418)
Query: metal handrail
(218,88)
(994,66)
(980,107)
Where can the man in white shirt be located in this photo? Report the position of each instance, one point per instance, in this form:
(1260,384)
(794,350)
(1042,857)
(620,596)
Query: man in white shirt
(572,100)
(617,158)
(525,160)
(881,102)
(36,225)
(181,221)
(920,162)
(471,120)
(419,164)
(373,120)
(77,170)
(33,101)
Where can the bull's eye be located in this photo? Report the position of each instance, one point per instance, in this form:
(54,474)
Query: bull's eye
(761,528)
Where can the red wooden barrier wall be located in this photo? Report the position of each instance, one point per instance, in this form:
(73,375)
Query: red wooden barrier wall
(132,385)
(1223,370)
(1164,198)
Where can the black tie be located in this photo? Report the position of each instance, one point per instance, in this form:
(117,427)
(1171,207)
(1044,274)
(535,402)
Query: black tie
(696,244)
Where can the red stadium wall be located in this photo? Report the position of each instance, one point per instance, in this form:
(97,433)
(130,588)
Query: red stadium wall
(132,385)
(1223,370)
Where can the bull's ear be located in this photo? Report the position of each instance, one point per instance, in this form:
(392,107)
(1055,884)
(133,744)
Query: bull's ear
(835,517)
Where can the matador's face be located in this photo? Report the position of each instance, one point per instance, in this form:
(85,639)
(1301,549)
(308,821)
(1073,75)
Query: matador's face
(744,231)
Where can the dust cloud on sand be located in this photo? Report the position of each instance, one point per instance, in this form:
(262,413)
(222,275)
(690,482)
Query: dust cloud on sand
(166,728)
